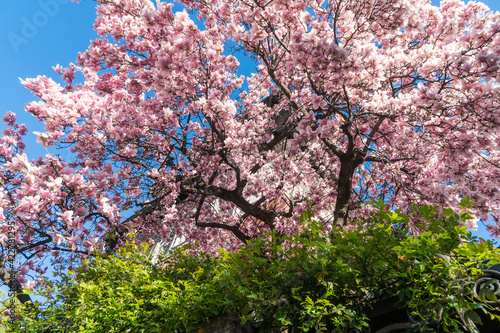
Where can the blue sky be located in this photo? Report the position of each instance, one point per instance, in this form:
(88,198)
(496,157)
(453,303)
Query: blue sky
(38,34)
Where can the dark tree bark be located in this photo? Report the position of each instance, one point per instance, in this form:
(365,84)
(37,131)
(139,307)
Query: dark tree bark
(10,280)
(348,164)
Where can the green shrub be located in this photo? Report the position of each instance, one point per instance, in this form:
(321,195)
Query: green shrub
(301,282)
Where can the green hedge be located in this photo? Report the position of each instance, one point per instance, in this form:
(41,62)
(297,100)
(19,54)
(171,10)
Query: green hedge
(303,283)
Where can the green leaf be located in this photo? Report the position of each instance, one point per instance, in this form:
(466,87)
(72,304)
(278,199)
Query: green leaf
(395,217)
(466,202)
(447,212)
(472,315)
(486,293)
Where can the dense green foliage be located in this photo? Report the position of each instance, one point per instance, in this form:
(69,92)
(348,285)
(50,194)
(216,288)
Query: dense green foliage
(302,282)
(4,303)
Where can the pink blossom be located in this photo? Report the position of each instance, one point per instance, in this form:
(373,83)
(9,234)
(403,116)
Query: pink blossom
(30,284)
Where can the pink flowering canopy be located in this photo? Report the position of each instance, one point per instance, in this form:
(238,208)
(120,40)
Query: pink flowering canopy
(347,101)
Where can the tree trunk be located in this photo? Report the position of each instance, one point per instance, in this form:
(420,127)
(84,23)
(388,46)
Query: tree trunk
(9,280)
(348,164)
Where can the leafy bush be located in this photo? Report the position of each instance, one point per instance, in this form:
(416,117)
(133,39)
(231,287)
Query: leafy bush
(123,293)
(300,282)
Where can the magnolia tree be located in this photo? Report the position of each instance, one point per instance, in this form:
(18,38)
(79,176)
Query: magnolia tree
(348,100)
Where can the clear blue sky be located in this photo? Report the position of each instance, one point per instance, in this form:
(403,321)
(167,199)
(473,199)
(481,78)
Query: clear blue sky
(38,34)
